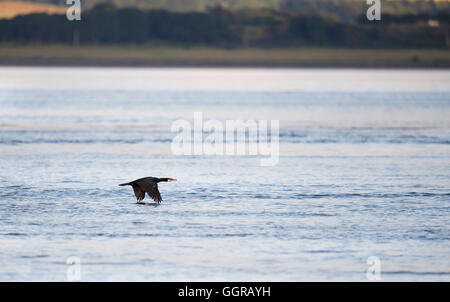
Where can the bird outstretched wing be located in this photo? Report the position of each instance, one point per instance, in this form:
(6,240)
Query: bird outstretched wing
(140,194)
(151,188)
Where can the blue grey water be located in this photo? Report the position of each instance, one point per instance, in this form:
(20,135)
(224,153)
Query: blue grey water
(364,170)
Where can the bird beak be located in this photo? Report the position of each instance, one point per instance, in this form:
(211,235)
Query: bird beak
(171,179)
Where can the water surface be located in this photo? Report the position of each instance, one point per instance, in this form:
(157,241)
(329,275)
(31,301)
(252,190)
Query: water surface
(363,171)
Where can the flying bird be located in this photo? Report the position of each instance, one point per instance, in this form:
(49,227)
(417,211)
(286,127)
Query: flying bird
(147,185)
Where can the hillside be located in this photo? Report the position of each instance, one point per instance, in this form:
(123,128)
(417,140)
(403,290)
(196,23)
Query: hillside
(10,9)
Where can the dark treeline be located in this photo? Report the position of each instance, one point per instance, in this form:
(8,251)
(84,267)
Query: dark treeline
(105,24)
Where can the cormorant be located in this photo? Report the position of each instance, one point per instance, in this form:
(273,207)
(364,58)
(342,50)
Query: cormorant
(149,185)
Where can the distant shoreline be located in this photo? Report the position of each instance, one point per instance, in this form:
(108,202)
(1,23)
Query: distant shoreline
(172,57)
(218,65)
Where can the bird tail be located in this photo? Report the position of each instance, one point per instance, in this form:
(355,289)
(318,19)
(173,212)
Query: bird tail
(125,184)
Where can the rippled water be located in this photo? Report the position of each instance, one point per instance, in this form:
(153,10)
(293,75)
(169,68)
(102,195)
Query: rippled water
(363,171)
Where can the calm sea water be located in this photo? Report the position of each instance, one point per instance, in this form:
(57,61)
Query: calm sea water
(363,171)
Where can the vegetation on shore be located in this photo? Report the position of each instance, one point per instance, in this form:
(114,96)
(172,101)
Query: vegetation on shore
(346,10)
(106,24)
(217,36)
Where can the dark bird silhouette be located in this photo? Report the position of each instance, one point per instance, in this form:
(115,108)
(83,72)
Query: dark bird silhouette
(147,185)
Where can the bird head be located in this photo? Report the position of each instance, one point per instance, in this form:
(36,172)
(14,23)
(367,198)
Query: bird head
(166,179)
